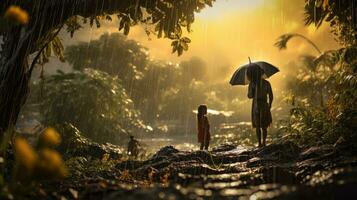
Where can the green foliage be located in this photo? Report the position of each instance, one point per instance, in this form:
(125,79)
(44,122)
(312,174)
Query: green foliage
(341,15)
(52,48)
(113,53)
(180,44)
(306,124)
(157,88)
(163,18)
(327,111)
(93,101)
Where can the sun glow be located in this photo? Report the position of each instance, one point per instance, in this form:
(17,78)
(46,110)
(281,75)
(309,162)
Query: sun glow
(227,33)
(221,7)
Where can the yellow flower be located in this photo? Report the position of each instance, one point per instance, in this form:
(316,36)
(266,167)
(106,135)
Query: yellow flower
(50,137)
(17,14)
(24,154)
(51,164)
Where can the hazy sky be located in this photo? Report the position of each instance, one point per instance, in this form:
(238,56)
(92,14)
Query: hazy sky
(230,31)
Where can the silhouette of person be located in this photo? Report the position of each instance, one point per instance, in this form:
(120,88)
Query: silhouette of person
(203,127)
(133,147)
(259,89)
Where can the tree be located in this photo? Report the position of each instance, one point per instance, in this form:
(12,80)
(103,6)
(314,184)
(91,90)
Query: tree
(195,68)
(341,14)
(328,110)
(113,53)
(283,40)
(146,80)
(331,74)
(46,19)
(91,100)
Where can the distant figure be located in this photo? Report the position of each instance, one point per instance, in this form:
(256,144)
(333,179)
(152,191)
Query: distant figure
(203,127)
(259,89)
(133,147)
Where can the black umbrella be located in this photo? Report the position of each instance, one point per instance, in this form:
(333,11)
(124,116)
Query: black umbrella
(240,75)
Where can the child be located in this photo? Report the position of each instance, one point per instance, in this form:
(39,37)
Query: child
(133,147)
(203,127)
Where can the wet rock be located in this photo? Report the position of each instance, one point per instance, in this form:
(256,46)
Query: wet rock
(166,151)
(75,144)
(314,152)
(223,148)
(347,144)
(195,168)
(129,165)
(340,142)
(270,191)
(259,161)
(344,175)
(284,151)
(321,192)
(234,193)
(278,174)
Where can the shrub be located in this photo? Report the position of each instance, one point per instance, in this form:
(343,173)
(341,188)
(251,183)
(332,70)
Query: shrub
(93,101)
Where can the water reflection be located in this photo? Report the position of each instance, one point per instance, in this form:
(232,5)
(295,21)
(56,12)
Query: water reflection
(152,145)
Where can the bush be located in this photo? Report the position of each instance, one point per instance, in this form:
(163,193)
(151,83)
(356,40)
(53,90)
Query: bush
(93,101)
(336,116)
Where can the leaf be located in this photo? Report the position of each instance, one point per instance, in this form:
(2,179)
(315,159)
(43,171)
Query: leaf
(121,24)
(91,21)
(174,48)
(318,3)
(126,29)
(175,43)
(97,22)
(48,49)
(159,28)
(179,50)
(184,45)
(186,39)
(209,3)
(108,17)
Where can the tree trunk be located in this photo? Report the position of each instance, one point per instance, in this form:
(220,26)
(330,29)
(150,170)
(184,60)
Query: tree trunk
(14,78)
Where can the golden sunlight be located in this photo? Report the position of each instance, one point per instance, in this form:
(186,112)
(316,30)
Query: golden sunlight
(226,6)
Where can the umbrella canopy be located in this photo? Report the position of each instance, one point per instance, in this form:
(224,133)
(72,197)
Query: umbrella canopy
(240,76)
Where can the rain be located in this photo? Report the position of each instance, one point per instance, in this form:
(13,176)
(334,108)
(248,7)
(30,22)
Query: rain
(189,99)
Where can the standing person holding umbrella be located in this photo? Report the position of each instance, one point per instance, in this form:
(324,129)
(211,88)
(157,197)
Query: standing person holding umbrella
(260,91)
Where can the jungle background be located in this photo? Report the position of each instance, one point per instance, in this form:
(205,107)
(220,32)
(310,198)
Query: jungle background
(97,86)
(157,93)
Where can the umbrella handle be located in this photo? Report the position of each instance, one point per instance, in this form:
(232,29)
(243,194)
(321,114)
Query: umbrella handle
(250,62)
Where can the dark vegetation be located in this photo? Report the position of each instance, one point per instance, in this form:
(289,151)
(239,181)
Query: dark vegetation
(103,101)
(93,101)
(22,37)
(328,111)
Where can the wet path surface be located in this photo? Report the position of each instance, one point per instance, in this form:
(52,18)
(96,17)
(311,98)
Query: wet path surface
(278,171)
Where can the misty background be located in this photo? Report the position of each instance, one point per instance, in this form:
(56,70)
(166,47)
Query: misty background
(165,89)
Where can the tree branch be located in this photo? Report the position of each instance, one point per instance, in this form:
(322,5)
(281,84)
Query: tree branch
(33,64)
